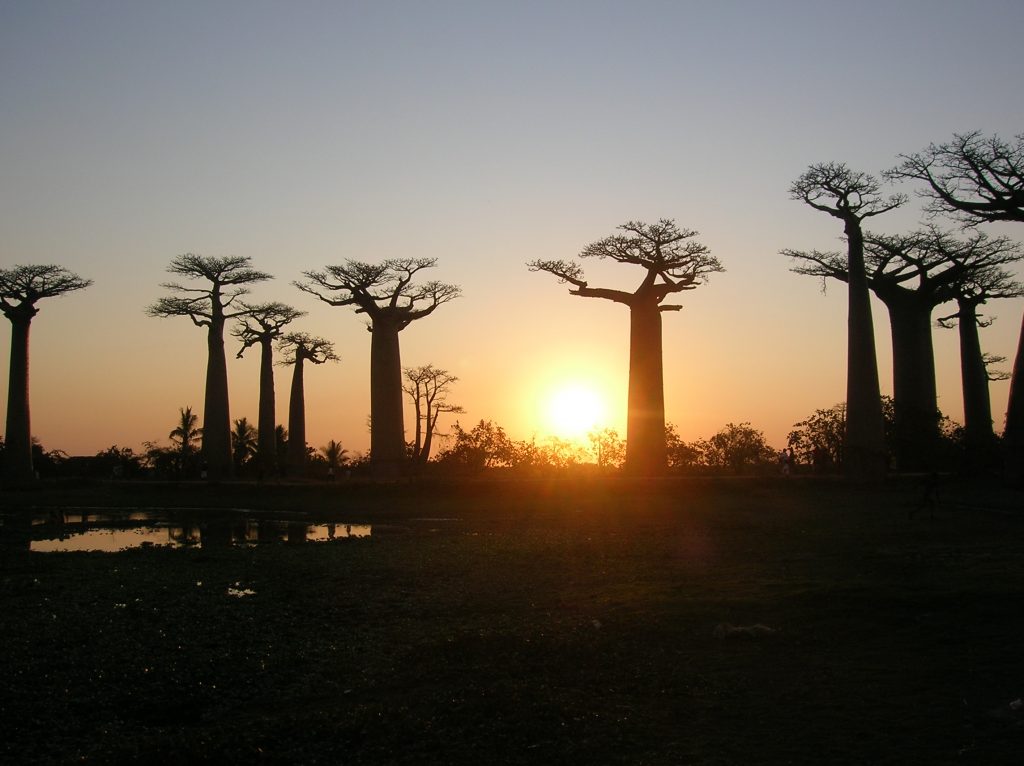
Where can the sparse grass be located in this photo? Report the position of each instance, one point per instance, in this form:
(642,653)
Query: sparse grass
(554,623)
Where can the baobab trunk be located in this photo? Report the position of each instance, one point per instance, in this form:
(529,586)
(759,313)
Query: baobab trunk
(387,429)
(645,416)
(978,433)
(1014,432)
(914,396)
(864,449)
(18,436)
(266,445)
(297,421)
(216,418)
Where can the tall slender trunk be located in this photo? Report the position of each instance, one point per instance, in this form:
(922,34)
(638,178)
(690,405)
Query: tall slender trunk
(266,445)
(864,449)
(387,429)
(216,417)
(1014,432)
(978,434)
(18,435)
(297,421)
(645,416)
(428,437)
(418,446)
(914,397)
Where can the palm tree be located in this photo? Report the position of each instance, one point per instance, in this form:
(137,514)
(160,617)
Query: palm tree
(243,443)
(184,436)
(334,455)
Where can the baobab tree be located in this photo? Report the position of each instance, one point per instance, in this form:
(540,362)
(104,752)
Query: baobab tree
(263,324)
(21,288)
(211,306)
(428,387)
(979,179)
(386,294)
(912,274)
(972,292)
(299,348)
(673,262)
(852,196)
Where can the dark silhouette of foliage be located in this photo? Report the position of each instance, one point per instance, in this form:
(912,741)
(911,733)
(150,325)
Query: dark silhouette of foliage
(852,196)
(183,437)
(911,274)
(486,445)
(299,348)
(263,325)
(385,292)
(244,440)
(737,449)
(979,179)
(608,447)
(21,288)
(673,262)
(211,306)
(428,387)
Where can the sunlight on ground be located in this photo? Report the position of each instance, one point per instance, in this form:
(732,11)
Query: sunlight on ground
(573,410)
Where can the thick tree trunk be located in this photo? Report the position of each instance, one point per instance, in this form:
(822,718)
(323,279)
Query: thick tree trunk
(1014,432)
(18,434)
(387,429)
(645,416)
(979,438)
(297,421)
(266,446)
(914,397)
(864,456)
(216,417)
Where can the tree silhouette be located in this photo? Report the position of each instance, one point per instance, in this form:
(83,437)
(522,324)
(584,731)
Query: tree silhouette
(334,455)
(299,348)
(386,294)
(912,274)
(979,180)
(183,435)
(673,262)
(21,288)
(428,387)
(211,307)
(244,442)
(974,291)
(263,324)
(851,197)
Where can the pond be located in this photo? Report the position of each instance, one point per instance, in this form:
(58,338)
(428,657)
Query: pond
(111,530)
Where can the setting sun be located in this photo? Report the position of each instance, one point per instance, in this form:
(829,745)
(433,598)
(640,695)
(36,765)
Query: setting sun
(573,410)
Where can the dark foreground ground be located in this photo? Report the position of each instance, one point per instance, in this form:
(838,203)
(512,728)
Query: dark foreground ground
(547,623)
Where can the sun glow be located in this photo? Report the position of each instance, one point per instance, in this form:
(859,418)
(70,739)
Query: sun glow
(573,410)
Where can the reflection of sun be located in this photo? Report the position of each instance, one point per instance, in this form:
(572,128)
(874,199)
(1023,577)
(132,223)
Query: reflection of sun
(573,410)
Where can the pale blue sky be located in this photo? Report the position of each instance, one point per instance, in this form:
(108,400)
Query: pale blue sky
(485,134)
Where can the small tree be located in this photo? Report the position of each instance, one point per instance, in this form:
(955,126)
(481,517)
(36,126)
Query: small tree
(428,387)
(184,436)
(737,448)
(852,196)
(211,307)
(299,348)
(334,455)
(672,262)
(608,448)
(244,440)
(263,324)
(21,288)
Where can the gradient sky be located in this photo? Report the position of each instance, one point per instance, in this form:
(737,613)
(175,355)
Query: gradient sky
(485,135)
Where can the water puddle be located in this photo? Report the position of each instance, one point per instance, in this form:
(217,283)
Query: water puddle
(107,531)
